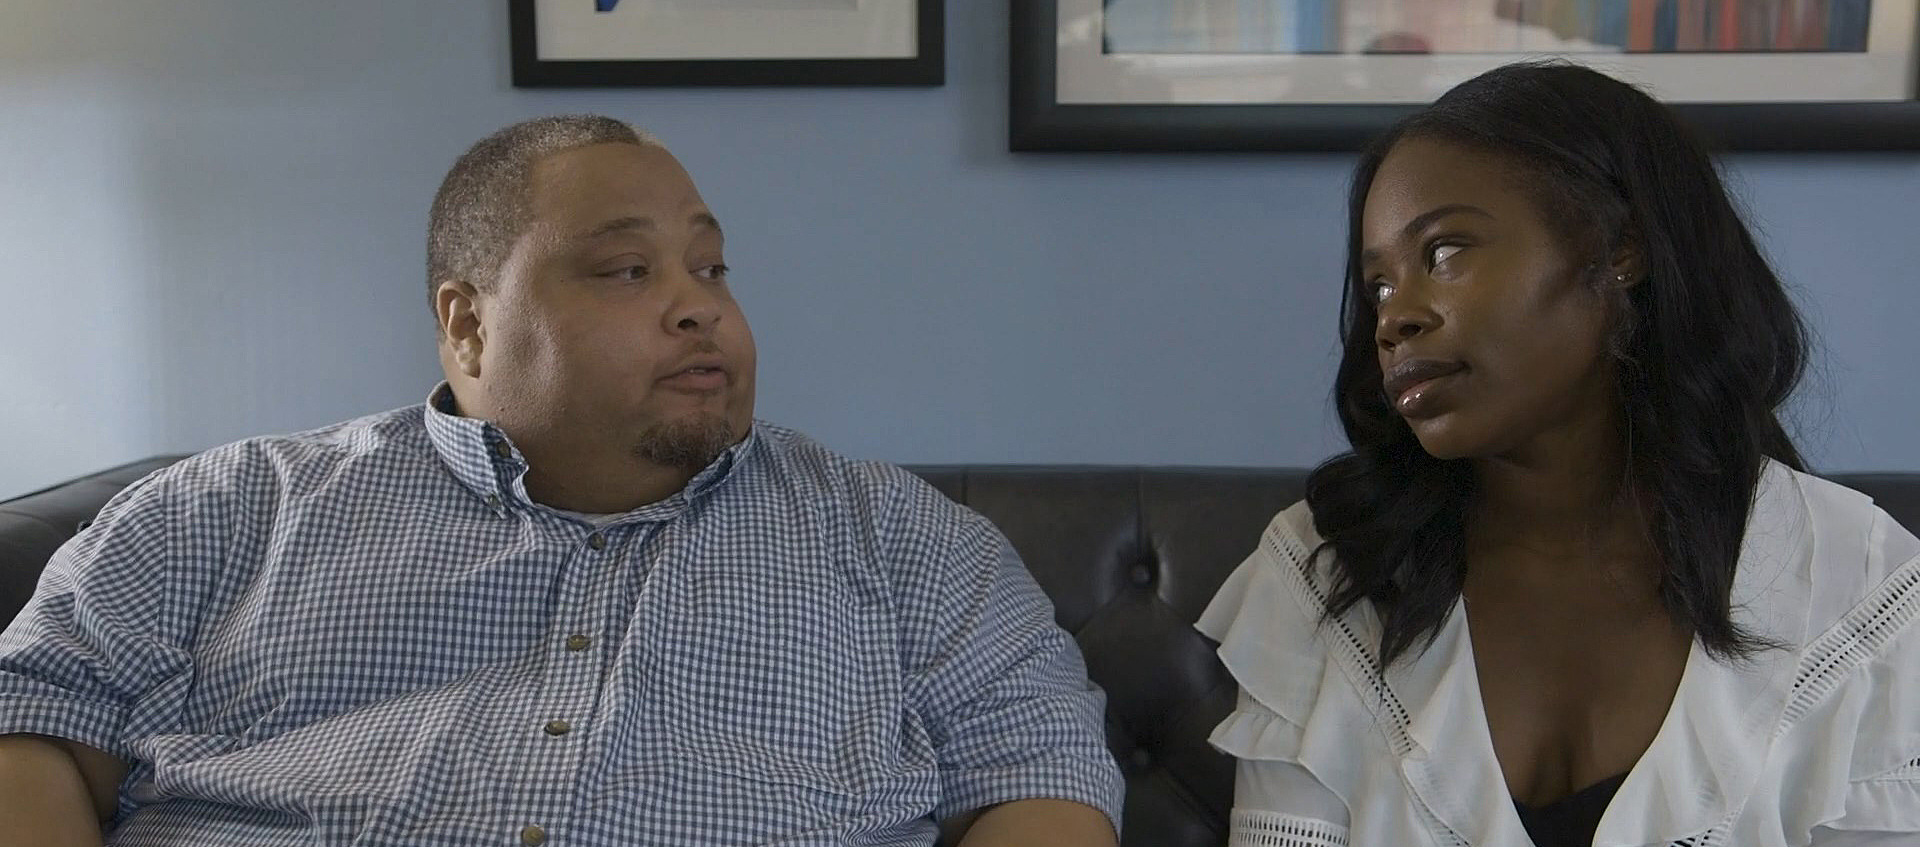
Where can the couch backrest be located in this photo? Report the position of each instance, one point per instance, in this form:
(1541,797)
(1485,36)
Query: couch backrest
(1130,557)
(32,526)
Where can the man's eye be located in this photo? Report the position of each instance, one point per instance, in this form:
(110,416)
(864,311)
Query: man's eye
(1381,291)
(1441,253)
(713,273)
(631,272)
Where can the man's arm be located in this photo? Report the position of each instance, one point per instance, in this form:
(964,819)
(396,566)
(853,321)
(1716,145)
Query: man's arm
(1031,823)
(96,638)
(1016,725)
(55,793)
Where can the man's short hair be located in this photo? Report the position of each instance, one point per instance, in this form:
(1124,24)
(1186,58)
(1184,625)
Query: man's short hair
(481,207)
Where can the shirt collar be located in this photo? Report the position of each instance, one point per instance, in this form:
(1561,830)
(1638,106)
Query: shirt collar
(487,464)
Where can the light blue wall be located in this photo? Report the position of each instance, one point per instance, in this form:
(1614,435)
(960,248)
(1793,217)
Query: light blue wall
(213,213)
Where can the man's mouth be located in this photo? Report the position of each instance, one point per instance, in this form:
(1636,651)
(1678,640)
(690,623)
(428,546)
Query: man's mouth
(702,379)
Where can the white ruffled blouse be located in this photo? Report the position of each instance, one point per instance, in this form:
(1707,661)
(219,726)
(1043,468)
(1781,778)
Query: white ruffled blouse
(1818,745)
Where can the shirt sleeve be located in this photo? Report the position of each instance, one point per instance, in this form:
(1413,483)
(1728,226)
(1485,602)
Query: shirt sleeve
(1881,700)
(1005,696)
(1276,802)
(1268,642)
(1883,805)
(82,660)
(1824,837)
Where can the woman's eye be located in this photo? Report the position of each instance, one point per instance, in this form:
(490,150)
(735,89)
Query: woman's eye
(1381,291)
(713,273)
(1440,253)
(630,272)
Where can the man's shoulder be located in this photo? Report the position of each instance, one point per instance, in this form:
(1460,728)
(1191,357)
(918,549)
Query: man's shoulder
(884,493)
(806,462)
(386,443)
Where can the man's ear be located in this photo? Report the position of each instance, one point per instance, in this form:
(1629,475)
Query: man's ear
(457,308)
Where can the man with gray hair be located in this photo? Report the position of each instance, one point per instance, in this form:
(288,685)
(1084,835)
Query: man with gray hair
(579,596)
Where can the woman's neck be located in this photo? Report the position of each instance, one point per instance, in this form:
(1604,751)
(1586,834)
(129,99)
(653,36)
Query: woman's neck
(1568,494)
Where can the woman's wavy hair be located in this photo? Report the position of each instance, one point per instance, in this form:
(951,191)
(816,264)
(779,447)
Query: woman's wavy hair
(1707,344)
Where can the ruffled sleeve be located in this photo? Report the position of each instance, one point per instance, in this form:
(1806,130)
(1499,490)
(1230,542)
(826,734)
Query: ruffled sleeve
(1883,794)
(1276,801)
(1268,632)
(1267,641)
(1865,724)
(1881,810)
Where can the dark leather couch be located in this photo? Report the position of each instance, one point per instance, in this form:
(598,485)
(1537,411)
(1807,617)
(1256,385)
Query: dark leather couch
(1130,557)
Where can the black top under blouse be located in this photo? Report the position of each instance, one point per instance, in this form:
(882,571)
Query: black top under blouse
(1571,820)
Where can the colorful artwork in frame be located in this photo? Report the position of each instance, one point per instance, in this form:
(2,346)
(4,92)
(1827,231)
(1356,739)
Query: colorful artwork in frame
(727,42)
(1506,26)
(1326,74)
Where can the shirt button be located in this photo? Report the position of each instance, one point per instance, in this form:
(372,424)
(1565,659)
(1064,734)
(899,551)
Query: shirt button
(533,836)
(493,501)
(577,643)
(506,452)
(558,728)
(597,541)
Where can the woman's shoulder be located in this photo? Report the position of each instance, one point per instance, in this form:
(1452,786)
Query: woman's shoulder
(1840,578)
(1818,548)
(1849,554)
(1267,615)
(1278,568)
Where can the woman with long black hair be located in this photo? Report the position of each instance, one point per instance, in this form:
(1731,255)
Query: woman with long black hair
(1572,584)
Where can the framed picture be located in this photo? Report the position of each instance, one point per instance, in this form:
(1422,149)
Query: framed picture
(727,42)
(1325,75)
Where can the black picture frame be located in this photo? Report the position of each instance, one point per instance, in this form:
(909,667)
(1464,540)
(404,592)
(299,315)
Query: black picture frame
(926,68)
(1039,122)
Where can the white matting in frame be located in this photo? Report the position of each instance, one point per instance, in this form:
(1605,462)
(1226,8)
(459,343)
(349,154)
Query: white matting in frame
(1087,75)
(573,30)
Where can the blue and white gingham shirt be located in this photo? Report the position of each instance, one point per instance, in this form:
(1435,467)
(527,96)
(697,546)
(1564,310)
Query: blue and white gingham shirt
(369,634)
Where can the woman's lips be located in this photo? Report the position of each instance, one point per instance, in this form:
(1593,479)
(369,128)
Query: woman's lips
(1410,384)
(1419,401)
